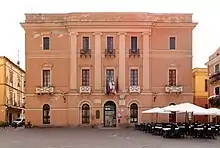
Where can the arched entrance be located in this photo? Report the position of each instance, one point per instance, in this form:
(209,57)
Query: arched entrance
(109,114)
(46,114)
(172,115)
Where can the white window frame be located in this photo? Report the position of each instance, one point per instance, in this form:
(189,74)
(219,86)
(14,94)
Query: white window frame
(218,68)
(131,68)
(42,42)
(173,68)
(85,68)
(82,40)
(175,42)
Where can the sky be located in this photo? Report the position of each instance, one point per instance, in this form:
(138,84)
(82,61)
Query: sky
(205,36)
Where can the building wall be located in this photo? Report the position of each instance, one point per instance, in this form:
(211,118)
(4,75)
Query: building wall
(64,60)
(200,82)
(213,60)
(11,74)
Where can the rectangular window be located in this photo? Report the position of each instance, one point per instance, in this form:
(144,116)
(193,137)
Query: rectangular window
(19,99)
(46,43)
(134,42)
(19,80)
(172,77)
(109,42)
(172,43)
(110,74)
(10,101)
(134,77)
(206,85)
(86,43)
(46,78)
(217,68)
(11,76)
(85,77)
(216,90)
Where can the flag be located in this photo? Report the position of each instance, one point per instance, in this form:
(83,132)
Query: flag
(117,85)
(107,86)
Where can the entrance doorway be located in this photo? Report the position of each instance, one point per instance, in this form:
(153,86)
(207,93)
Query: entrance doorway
(110,114)
(10,120)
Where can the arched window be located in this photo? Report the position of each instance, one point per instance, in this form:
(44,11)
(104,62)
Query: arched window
(133,113)
(46,114)
(85,114)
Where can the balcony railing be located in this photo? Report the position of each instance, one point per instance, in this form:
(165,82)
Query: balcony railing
(85,90)
(173,89)
(110,52)
(44,90)
(134,52)
(85,53)
(134,89)
(214,77)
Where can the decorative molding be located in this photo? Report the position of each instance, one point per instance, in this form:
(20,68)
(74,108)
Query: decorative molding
(146,33)
(74,33)
(111,17)
(97,33)
(121,33)
(47,65)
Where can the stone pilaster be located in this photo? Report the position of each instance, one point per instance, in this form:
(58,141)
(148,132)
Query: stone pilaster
(122,56)
(73,61)
(146,60)
(98,61)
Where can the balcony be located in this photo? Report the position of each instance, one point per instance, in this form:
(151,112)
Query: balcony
(214,77)
(174,89)
(134,89)
(134,53)
(85,53)
(109,52)
(45,90)
(85,90)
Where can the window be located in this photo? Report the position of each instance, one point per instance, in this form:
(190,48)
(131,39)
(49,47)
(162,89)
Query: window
(216,90)
(86,43)
(206,85)
(46,78)
(46,43)
(46,114)
(133,113)
(10,101)
(134,77)
(19,98)
(172,77)
(85,77)
(11,76)
(110,74)
(217,68)
(85,114)
(172,43)
(19,80)
(134,42)
(110,42)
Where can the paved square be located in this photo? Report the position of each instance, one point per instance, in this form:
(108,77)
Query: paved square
(94,138)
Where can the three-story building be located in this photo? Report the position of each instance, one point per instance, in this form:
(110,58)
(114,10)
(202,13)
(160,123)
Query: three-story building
(106,68)
(12,83)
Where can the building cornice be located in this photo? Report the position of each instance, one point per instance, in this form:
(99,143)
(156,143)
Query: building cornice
(213,61)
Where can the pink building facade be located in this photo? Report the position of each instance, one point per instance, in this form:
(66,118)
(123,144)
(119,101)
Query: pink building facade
(106,68)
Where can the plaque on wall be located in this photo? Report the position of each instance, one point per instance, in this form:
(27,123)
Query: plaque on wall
(121,102)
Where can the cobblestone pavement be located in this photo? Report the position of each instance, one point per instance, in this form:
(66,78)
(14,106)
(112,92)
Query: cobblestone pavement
(94,138)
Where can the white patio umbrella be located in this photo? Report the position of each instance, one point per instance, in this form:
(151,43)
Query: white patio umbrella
(170,108)
(185,107)
(156,111)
